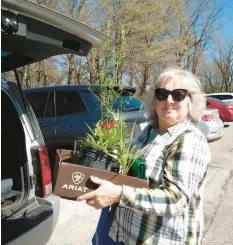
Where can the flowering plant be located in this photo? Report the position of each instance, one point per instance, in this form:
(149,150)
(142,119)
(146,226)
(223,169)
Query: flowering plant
(110,134)
(112,138)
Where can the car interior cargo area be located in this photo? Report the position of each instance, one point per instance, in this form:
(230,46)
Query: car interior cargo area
(24,221)
(14,175)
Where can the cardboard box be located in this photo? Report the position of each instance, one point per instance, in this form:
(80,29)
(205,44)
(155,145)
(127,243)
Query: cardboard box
(73,181)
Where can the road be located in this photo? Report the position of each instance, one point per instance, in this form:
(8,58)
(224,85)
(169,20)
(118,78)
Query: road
(218,193)
(77,221)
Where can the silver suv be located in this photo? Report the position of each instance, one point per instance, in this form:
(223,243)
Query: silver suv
(30,33)
(26,203)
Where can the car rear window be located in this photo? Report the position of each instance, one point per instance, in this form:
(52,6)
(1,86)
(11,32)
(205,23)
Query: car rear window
(221,96)
(69,103)
(218,100)
(128,103)
(216,96)
(227,97)
(91,100)
(125,102)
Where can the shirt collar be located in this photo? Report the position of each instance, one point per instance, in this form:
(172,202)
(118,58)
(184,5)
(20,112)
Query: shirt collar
(176,127)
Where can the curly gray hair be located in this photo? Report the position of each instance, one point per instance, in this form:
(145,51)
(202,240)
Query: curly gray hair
(189,81)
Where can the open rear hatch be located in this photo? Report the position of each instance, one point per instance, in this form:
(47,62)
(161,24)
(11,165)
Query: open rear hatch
(27,37)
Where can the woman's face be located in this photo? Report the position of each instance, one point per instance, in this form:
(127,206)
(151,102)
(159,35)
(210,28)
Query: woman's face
(171,112)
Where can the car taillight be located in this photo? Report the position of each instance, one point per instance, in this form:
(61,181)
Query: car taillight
(45,171)
(208,118)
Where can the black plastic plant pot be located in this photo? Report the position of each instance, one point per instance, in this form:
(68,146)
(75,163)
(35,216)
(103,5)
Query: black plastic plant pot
(94,158)
(75,157)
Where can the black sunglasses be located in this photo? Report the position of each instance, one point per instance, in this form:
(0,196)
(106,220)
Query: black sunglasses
(177,94)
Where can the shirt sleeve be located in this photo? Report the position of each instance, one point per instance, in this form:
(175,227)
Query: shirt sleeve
(185,169)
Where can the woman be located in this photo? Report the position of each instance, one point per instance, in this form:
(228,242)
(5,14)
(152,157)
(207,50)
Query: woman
(177,156)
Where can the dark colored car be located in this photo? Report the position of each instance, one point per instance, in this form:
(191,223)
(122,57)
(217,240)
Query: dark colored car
(225,109)
(65,111)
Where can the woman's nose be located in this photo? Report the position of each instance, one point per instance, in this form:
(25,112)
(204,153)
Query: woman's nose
(170,99)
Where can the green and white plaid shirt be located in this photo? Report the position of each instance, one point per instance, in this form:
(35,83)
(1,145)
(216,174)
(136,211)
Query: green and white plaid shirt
(171,211)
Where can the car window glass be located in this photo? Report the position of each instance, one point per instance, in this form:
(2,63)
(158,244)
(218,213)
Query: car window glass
(38,102)
(217,100)
(4,53)
(68,103)
(91,100)
(127,103)
(227,97)
(217,97)
(50,110)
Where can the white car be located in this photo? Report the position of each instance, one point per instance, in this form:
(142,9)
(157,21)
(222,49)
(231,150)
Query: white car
(30,33)
(211,125)
(227,97)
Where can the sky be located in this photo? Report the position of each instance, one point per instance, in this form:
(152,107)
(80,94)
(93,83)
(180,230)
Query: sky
(227,17)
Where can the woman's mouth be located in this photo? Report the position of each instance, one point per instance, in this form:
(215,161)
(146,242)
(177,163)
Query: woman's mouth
(169,109)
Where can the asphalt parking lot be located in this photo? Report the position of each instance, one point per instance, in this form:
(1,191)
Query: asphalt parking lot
(77,221)
(218,193)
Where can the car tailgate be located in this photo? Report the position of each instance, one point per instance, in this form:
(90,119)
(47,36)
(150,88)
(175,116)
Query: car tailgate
(32,225)
(215,112)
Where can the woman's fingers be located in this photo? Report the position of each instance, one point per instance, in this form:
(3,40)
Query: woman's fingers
(97,181)
(86,196)
(93,203)
(92,194)
(105,195)
(90,202)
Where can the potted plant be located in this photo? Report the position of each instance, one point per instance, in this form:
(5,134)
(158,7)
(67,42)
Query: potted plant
(109,146)
(106,147)
(107,152)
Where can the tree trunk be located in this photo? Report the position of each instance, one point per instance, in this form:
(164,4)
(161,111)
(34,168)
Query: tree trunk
(24,77)
(71,71)
(131,76)
(145,75)
(39,73)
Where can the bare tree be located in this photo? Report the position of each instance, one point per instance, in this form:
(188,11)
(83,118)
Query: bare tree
(194,25)
(210,82)
(224,62)
(157,34)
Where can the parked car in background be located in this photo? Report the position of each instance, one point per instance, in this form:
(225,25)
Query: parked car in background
(30,33)
(211,125)
(65,111)
(225,109)
(227,97)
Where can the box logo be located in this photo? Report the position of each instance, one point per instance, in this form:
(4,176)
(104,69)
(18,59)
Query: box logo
(77,177)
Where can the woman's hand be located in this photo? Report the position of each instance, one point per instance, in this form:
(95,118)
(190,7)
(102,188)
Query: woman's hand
(106,194)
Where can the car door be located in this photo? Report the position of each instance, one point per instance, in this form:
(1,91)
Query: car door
(71,117)
(42,103)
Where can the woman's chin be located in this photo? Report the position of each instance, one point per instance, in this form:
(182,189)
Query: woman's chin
(171,116)
(171,120)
